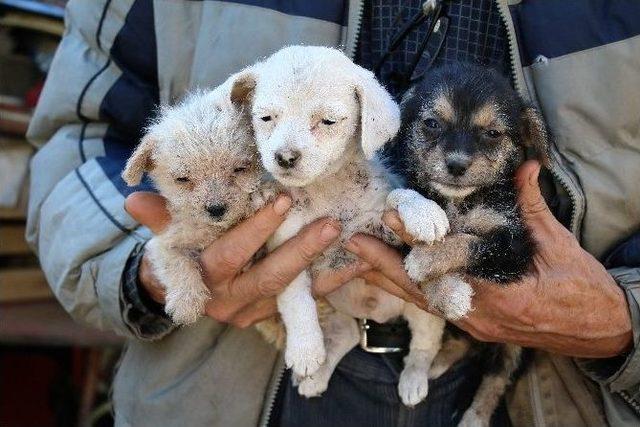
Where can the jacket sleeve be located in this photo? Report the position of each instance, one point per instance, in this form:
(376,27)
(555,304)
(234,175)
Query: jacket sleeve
(621,375)
(76,219)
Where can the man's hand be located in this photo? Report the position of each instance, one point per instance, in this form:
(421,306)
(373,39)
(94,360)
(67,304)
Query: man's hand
(568,304)
(244,298)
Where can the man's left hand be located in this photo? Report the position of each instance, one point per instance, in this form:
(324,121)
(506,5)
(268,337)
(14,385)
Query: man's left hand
(567,304)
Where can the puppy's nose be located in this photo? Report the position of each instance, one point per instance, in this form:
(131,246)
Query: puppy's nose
(287,158)
(457,167)
(217,211)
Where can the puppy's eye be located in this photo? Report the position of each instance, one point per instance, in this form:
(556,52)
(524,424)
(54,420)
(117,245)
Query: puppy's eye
(182,179)
(328,122)
(492,133)
(240,169)
(265,118)
(432,124)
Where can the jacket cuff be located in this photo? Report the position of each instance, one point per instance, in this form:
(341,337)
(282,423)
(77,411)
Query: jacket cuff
(144,317)
(622,373)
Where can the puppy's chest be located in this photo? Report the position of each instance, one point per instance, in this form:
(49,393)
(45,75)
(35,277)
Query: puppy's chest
(357,209)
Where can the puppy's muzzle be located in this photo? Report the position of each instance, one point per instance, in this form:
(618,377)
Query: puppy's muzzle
(458,166)
(287,159)
(217,211)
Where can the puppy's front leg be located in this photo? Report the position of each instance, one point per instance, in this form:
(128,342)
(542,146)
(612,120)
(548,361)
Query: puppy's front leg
(305,350)
(426,262)
(426,339)
(341,334)
(186,293)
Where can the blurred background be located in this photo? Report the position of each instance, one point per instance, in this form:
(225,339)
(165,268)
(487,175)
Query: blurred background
(53,372)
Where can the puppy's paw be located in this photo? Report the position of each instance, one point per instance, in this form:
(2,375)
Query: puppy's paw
(455,297)
(472,419)
(305,356)
(413,385)
(185,306)
(418,264)
(315,384)
(423,219)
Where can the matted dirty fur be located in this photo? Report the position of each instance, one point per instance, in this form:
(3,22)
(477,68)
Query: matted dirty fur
(201,157)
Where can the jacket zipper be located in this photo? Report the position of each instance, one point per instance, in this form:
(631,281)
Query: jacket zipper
(558,169)
(273,392)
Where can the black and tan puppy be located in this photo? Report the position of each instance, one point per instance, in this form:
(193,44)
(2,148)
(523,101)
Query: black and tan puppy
(464,133)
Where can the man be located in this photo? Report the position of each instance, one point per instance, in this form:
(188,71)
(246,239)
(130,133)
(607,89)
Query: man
(577,59)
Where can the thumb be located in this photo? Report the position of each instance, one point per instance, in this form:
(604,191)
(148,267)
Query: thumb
(148,209)
(532,204)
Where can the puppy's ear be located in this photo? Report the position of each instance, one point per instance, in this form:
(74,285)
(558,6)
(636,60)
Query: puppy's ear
(242,85)
(379,113)
(139,162)
(534,133)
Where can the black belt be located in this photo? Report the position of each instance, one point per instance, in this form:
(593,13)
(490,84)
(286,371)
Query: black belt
(392,337)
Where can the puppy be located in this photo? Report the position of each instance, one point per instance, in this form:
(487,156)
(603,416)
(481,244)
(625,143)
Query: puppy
(464,133)
(202,159)
(318,121)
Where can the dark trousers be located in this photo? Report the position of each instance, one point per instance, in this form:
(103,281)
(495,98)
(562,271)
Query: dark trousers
(363,391)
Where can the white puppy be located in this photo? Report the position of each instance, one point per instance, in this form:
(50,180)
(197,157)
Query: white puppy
(201,157)
(318,120)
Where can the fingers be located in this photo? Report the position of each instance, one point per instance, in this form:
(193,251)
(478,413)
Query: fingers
(149,209)
(530,199)
(328,280)
(393,221)
(273,273)
(256,312)
(227,255)
(149,282)
(381,257)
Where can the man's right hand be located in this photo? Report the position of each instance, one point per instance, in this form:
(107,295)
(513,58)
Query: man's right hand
(243,298)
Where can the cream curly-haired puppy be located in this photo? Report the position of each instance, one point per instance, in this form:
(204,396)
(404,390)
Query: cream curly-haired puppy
(201,156)
(318,120)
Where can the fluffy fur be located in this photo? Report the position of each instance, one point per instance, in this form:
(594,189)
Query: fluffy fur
(464,133)
(318,120)
(201,157)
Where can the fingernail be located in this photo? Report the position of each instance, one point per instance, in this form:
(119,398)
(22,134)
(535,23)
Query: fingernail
(363,266)
(351,246)
(533,178)
(391,220)
(282,205)
(329,232)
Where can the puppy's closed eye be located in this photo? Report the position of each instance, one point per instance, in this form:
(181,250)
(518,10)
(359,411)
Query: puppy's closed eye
(266,118)
(183,179)
(328,122)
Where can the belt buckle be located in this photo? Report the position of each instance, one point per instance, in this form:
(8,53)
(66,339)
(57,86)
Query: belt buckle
(364,344)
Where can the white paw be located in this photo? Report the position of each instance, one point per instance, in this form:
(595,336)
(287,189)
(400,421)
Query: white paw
(414,384)
(305,356)
(314,385)
(186,306)
(456,297)
(423,219)
(472,419)
(417,264)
